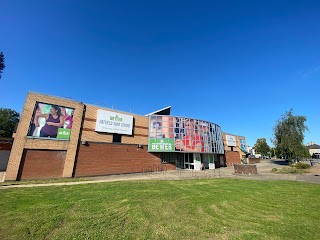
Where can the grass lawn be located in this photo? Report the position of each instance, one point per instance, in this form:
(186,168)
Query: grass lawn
(188,209)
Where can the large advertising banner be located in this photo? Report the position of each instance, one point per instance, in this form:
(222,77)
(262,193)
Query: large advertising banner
(179,134)
(113,122)
(51,121)
(243,145)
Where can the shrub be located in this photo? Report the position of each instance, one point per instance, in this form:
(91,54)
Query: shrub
(292,170)
(301,166)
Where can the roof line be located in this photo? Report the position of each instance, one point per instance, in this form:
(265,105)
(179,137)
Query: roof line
(157,111)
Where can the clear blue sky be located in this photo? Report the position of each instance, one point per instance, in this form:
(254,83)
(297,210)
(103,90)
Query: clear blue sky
(240,64)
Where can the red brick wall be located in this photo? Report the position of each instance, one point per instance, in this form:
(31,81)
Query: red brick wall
(5,146)
(39,164)
(245,169)
(96,159)
(232,158)
(253,160)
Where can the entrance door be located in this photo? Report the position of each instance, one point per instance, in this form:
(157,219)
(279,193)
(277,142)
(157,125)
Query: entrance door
(197,161)
(180,160)
(211,161)
(188,161)
(205,160)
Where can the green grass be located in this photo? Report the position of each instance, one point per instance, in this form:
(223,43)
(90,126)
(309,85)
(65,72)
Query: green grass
(189,209)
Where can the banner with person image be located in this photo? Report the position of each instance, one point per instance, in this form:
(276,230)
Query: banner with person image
(242,145)
(180,134)
(51,121)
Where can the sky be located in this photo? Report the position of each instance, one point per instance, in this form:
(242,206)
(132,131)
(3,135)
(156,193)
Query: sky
(239,64)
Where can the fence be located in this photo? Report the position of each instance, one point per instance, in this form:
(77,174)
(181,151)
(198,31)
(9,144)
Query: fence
(179,174)
(154,169)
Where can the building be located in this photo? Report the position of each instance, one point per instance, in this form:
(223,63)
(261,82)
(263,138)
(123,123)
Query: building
(251,150)
(235,148)
(186,143)
(5,148)
(59,137)
(314,149)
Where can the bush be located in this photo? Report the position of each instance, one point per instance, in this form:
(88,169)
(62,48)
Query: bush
(301,166)
(274,170)
(292,170)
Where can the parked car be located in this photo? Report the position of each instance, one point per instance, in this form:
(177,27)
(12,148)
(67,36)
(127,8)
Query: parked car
(316,155)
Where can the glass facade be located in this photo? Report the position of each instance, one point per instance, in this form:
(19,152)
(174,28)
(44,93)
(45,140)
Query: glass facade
(180,134)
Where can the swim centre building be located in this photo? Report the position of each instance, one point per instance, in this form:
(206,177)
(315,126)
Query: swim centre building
(59,137)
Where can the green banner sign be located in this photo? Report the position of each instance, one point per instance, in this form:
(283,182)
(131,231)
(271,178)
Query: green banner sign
(161,144)
(63,133)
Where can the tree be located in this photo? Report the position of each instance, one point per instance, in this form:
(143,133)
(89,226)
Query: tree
(8,120)
(262,146)
(2,66)
(288,136)
(273,152)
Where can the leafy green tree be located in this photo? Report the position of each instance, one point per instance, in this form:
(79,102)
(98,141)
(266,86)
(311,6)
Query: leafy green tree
(273,152)
(8,120)
(2,66)
(262,146)
(288,136)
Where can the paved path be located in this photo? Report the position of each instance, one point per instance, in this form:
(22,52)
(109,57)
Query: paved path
(264,173)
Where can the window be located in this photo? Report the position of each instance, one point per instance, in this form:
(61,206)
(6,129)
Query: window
(168,158)
(116,138)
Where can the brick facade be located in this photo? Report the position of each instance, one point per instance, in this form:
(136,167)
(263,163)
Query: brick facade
(38,164)
(232,158)
(87,152)
(26,151)
(233,155)
(140,130)
(96,159)
(21,142)
(5,145)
